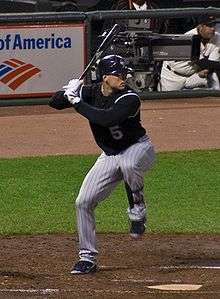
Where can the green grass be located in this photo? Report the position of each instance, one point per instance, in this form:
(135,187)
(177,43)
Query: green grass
(182,190)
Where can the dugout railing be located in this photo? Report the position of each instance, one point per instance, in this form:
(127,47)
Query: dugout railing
(88,18)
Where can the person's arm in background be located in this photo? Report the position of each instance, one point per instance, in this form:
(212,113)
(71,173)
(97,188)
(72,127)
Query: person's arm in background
(197,80)
(208,74)
(213,81)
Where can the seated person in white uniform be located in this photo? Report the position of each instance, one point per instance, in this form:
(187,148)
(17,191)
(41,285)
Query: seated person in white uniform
(177,75)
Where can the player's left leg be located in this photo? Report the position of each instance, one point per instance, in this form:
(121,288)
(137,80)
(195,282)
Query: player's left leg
(137,213)
(134,162)
(97,185)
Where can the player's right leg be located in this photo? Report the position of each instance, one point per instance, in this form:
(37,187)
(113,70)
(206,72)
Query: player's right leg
(134,162)
(97,185)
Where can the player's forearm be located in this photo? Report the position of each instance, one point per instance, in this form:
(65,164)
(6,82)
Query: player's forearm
(59,101)
(102,117)
(195,81)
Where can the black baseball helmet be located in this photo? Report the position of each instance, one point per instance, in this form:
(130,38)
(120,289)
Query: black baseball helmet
(112,65)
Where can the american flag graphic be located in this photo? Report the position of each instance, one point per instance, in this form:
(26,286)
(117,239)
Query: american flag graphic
(14,72)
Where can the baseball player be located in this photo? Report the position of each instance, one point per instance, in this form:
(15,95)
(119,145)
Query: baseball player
(113,111)
(177,75)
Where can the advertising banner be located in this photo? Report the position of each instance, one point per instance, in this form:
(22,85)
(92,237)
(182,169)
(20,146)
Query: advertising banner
(37,60)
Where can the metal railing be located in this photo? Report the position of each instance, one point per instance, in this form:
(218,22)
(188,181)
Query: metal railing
(88,18)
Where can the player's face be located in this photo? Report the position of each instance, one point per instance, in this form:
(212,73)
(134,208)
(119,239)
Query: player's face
(115,82)
(207,32)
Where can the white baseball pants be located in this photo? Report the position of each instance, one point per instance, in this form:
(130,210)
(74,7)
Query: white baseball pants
(100,181)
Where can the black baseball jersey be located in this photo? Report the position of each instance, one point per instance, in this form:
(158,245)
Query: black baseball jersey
(114,119)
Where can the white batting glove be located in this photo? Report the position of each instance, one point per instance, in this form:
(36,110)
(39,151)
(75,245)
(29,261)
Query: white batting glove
(72,98)
(74,85)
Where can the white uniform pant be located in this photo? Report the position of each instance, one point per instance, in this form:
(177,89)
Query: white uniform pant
(100,181)
(170,81)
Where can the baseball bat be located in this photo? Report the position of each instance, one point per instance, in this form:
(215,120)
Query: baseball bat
(104,45)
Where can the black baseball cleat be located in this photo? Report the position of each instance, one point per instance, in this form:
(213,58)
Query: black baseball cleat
(84,267)
(137,228)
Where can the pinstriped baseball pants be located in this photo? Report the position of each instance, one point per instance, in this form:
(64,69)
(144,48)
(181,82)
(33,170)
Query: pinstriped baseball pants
(100,181)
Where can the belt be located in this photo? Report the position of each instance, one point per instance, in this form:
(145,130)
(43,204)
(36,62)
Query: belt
(182,75)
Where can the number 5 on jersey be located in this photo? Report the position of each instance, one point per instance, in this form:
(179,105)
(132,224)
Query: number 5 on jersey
(116,132)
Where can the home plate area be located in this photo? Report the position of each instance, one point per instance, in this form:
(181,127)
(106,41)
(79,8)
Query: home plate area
(156,266)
